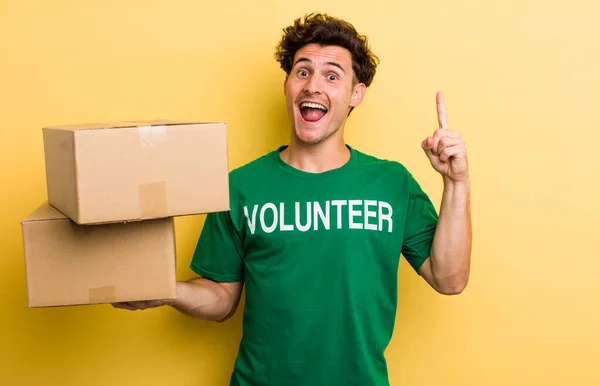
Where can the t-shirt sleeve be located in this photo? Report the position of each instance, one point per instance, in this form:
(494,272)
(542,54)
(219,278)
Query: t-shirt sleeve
(219,252)
(421,223)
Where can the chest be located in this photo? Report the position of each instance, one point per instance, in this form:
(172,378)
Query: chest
(342,224)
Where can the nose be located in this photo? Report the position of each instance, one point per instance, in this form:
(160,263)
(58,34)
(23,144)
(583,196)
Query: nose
(312,85)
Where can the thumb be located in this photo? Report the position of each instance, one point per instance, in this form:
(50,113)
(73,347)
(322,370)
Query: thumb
(427,145)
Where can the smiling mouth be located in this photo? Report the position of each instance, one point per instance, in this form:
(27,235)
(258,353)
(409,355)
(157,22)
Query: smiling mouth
(312,112)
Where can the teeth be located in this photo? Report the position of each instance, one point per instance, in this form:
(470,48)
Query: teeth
(313,106)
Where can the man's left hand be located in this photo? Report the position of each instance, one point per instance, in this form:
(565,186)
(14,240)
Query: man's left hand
(446,149)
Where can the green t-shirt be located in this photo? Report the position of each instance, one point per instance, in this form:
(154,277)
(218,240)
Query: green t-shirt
(319,253)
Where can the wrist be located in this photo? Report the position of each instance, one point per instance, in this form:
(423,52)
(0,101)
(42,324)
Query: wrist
(453,184)
(179,288)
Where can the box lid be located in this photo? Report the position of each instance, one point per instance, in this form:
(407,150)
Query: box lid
(122,124)
(44,213)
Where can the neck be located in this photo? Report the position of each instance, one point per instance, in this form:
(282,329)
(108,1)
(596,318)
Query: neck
(317,158)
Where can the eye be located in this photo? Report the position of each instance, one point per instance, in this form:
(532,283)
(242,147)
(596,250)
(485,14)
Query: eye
(332,77)
(302,73)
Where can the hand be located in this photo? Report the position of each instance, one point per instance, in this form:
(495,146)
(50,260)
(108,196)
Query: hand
(141,305)
(446,149)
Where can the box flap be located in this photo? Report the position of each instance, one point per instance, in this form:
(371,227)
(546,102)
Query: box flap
(43,213)
(121,124)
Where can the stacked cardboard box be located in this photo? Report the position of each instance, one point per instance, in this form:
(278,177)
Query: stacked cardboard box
(106,232)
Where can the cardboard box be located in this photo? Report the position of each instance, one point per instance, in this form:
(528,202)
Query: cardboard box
(71,264)
(131,171)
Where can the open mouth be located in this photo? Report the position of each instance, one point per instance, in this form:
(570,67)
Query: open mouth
(312,112)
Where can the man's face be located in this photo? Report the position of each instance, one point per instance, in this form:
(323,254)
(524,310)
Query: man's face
(319,92)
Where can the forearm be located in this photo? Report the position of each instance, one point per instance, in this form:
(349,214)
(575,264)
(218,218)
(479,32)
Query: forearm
(204,299)
(451,250)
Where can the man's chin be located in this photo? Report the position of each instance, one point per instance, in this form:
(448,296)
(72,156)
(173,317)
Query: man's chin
(310,135)
(308,139)
(310,132)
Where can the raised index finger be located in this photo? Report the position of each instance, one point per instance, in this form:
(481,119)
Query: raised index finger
(441,111)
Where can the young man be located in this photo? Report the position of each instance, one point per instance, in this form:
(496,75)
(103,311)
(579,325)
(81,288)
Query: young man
(316,229)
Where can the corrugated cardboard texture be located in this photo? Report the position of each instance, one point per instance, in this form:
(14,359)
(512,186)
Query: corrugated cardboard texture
(139,170)
(71,264)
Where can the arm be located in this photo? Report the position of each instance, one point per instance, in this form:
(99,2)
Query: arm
(206,299)
(219,255)
(447,269)
(199,298)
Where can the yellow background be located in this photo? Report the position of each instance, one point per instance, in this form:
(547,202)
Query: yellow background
(522,84)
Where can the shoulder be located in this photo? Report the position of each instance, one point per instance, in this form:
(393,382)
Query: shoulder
(395,173)
(381,165)
(254,167)
(253,173)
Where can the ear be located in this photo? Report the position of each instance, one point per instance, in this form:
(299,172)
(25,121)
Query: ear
(285,83)
(358,94)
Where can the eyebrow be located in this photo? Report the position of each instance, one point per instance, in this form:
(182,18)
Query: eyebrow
(329,63)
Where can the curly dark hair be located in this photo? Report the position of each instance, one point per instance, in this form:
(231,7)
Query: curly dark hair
(327,30)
